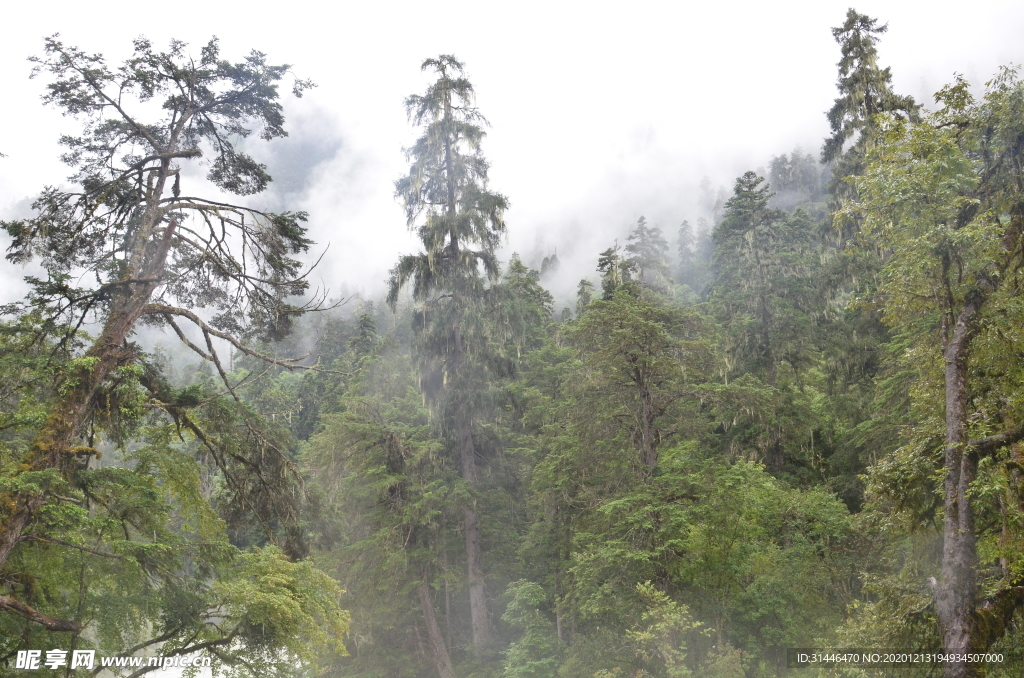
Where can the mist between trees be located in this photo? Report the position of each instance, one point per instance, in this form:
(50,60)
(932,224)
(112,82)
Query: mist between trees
(793,420)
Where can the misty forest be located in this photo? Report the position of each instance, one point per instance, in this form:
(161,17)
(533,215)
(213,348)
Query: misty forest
(794,421)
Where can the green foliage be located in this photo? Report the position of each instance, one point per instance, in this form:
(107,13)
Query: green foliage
(129,544)
(647,249)
(662,626)
(446,187)
(936,197)
(766,291)
(624,491)
(584,295)
(865,91)
(535,654)
(207,104)
(799,181)
(287,608)
(114,483)
(386,494)
(615,272)
(711,462)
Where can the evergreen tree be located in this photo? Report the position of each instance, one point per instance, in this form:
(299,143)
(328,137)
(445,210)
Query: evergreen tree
(763,293)
(616,271)
(549,265)
(855,337)
(685,258)
(387,503)
(744,244)
(865,91)
(162,256)
(584,295)
(460,222)
(626,490)
(646,255)
(798,181)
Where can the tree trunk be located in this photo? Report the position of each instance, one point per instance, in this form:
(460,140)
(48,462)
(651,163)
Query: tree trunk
(775,458)
(955,592)
(647,434)
(437,646)
(474,552)
(966,623)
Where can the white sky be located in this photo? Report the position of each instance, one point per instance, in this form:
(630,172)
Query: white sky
(600,112)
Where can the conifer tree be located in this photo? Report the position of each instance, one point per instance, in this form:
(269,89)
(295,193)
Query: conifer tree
(157,253)
(855,340)
(460,223)
(797,180)
(865,90)
(684,254)
(743,243)
(132,553)
(615,271)
(762,292)
(584,295)
(647,249)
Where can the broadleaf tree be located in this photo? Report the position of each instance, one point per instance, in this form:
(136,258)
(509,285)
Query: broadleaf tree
(945,198)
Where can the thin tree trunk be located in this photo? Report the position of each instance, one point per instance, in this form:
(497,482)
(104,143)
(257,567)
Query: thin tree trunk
(438,648)
(447,600)
(558,621)
(775,458)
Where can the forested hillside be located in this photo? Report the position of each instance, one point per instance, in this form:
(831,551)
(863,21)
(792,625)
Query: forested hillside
(795,421)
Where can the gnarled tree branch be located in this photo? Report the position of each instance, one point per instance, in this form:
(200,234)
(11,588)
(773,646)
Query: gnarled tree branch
(52,623)
(991,443)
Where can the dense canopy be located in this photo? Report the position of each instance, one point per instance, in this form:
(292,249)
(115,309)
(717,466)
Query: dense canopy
(794,420)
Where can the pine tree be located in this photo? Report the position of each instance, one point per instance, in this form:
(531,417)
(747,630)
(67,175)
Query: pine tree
(460,223)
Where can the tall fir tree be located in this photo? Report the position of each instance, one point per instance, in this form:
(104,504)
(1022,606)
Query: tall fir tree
(460,223)
(616,271)
(855,340)
(865,91)
(685,259)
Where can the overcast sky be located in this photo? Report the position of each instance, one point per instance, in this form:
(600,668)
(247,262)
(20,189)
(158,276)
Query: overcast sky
(600,112)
